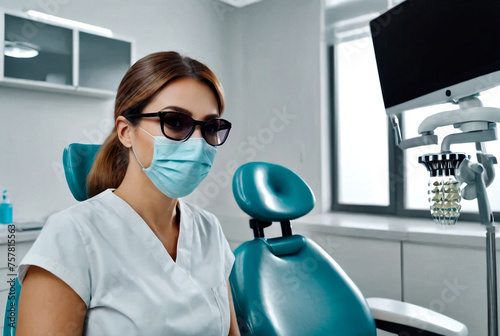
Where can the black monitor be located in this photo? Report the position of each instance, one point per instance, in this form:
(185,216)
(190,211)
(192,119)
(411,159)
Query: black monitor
(434,51)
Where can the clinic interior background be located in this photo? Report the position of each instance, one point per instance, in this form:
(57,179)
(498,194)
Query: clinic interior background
(271,58)
(267,56)
(274,61)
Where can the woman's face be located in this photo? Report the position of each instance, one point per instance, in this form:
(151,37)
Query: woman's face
(185,95)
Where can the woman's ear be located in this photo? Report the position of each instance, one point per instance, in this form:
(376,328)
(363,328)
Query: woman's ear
(124,131)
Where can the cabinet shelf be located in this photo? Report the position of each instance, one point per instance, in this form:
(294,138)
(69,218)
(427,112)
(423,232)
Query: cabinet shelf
(67,59)
(56,88)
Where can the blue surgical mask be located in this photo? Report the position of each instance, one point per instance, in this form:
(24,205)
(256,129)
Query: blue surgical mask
(178,167)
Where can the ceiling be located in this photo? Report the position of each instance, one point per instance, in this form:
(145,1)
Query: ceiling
(338,10)
(348,19)
(341,10)
(343,14)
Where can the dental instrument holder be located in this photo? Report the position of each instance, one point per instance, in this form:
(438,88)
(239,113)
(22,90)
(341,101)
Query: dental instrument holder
(444,195)
(478,125)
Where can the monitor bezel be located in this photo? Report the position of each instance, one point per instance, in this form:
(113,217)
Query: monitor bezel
(456,92)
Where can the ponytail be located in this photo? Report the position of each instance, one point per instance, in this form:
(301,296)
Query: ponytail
(109,167)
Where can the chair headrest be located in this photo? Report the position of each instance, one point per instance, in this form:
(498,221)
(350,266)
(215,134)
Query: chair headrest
(77,161)
(271,192)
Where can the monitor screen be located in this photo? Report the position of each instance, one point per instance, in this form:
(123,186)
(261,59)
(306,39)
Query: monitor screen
(433,51)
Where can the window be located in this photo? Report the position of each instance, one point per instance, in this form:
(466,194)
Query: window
(370,174)
(361,128)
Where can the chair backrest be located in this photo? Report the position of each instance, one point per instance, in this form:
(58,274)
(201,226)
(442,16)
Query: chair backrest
(77,161)
(10,320)
(289,285)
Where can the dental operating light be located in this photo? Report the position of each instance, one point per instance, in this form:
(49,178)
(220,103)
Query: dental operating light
(430,52)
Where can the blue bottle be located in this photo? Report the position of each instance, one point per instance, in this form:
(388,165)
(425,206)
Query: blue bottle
(5,209)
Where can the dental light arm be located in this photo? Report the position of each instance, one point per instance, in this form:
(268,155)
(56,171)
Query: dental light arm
(470,117)
(476,176)
(426,139)
(487,160)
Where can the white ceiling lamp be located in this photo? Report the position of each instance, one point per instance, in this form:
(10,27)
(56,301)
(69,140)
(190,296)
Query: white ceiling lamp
(72,23)
(240,3)
(18,49)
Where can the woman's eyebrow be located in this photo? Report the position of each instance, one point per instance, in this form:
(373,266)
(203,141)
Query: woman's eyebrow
(178,109)
(189,113)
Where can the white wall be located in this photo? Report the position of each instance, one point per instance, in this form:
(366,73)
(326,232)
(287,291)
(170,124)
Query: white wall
(270,59)
(267,56)
(274,53)
(36,126)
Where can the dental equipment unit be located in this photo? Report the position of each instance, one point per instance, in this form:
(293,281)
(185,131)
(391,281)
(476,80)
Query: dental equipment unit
(431,52)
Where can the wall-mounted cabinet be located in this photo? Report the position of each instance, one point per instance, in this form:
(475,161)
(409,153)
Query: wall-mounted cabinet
(52,57)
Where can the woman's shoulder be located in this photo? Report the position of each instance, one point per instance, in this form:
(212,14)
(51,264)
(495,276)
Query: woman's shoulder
(81,212)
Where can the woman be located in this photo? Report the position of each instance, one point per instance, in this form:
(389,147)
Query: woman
(134,259)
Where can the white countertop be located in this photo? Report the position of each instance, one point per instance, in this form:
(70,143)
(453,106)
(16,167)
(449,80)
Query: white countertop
(29,234)
(416,230)
(404,229)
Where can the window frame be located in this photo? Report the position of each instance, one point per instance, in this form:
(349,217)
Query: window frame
(397,171)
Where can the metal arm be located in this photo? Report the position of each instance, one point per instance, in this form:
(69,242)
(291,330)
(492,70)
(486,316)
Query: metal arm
(474,175)
(477,122)
(426,139)
(471,112)
(478,125)
(468,137)
(477,177)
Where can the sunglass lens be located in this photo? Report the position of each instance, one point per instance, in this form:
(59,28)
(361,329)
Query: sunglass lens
(216,131)
(177,125)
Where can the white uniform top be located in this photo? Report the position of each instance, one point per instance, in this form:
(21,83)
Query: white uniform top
(111,258)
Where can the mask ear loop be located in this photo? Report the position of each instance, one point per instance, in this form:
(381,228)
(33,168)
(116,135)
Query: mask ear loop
(146,132)
(133,150)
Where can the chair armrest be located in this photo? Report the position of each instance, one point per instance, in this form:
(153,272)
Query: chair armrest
(396,316)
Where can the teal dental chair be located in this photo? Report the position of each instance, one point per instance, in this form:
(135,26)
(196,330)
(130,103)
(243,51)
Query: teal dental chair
(290,286)
(77,160)
(275,277)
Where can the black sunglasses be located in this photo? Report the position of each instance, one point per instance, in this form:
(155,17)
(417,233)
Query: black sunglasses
(180,126)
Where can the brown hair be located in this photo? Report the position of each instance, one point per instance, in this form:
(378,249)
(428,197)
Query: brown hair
(137,89)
